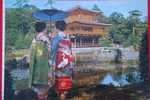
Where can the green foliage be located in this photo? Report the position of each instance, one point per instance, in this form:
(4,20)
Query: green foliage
(119,33)
(18,24)
(19,44)
(124,31)
(105,42)
(28,39)
(116,18)
(135,13)
(11,37)
(127,31)
(21,84)
(24,42)
(134,40)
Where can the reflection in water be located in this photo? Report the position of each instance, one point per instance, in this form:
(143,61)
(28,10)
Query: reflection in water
(117,74)
(110,80)
(122,78)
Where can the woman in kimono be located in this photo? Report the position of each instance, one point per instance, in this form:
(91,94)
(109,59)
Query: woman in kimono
(61,59)
(39,68)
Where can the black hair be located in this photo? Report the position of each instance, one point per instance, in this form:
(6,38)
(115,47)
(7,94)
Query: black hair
(40,26)
(60,25)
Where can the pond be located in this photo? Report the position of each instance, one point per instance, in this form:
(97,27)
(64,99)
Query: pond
(121,77)
(108,74)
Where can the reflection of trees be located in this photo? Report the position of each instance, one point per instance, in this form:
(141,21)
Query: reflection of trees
(125,76)
(133,75)
(118,56)
(118,76)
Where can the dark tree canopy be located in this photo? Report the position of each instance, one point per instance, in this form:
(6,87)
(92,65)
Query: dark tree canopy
(144,59)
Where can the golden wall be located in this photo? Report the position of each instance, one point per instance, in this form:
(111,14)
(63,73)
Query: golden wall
(96,30)
(85,18)
(99,30)
(80,17)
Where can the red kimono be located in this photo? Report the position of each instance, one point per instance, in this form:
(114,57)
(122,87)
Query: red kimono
(64,55)
(64,68)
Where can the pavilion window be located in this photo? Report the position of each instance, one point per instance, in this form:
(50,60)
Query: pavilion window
(79,16)
(89,29)
(77,27)
(72,28)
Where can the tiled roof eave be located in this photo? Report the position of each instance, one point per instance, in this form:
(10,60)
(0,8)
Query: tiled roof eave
(99,24)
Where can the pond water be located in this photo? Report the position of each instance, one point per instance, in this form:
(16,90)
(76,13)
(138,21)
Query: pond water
(110,74)
(121,77)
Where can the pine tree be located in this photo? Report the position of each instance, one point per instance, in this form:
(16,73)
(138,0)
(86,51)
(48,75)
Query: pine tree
(96,8)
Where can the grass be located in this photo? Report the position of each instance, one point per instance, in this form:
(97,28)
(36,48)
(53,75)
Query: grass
(20,53)
(20,84)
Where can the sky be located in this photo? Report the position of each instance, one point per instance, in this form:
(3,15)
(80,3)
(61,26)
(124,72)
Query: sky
(107,6)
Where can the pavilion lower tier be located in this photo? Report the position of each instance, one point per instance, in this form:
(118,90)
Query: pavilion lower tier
(81,41)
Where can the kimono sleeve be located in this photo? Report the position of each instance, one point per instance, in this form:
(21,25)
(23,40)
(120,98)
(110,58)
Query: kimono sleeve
(54,43)
(32,63)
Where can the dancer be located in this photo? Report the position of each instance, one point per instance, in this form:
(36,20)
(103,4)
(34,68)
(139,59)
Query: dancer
(39,68)
(61,59)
